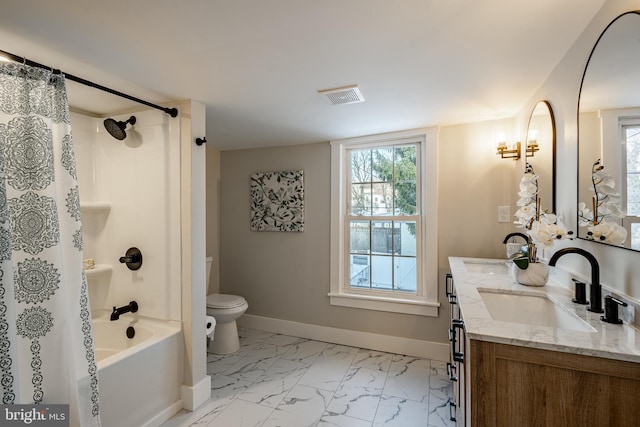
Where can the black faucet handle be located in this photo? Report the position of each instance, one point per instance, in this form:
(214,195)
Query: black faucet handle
(611,310)
(132,258)
(580,293)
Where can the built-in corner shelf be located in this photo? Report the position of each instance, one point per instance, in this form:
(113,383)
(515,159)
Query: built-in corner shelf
(98,270)
(96,207)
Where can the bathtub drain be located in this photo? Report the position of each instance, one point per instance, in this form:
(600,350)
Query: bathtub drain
(131,332)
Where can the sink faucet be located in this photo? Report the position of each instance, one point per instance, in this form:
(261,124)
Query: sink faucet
(132,307)
(510,235)
(595,289)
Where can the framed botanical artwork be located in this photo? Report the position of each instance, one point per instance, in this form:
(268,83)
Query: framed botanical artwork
(277,201)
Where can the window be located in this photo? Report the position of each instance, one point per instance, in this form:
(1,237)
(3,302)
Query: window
(631,191)
(383,221)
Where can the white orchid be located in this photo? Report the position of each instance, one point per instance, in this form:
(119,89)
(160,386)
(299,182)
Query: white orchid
(608,232)
(606,209)
(541,225)
(585,216)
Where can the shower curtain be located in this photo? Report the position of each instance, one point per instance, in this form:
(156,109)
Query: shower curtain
(46,339)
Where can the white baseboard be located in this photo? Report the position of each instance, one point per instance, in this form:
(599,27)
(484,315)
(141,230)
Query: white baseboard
(387,343)
(193,397)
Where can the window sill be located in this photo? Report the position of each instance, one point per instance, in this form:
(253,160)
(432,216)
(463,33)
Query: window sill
(378,303)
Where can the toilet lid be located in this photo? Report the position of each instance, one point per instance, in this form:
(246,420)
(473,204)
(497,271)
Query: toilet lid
(224,301)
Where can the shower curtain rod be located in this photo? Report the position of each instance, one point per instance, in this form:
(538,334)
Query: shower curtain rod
(173,112)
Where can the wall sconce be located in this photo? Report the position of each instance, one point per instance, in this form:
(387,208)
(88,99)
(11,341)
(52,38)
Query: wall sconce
(509,153)
(532,143)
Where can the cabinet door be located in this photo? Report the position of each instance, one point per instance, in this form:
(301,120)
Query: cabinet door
(520,386)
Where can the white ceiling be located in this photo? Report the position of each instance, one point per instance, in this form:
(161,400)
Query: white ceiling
(257,64)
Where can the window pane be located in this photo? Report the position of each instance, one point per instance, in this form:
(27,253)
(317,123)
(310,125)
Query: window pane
(635,236)
(405,164)
(382,167)
(382,237)
(632,134)
(361,199)
(361,166)
(381,272)
(405,198)
(405,274)
(359,237)
(405,242)
(382,195)
(359,272)
(405,177)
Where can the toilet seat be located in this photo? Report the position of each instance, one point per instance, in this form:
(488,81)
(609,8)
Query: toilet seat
(222,301)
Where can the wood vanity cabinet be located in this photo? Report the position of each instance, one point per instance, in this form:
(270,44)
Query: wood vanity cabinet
(520,386)
(502,385)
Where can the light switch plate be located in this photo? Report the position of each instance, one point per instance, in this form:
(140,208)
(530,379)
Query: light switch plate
(504,214)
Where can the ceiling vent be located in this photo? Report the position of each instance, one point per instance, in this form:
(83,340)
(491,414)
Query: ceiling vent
(342,95)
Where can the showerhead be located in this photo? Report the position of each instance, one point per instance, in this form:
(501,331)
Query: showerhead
(117,129)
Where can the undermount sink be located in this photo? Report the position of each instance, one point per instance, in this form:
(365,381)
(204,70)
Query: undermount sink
(487,267)
(531,309)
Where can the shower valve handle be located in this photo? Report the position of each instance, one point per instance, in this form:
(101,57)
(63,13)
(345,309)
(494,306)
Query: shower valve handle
(132,258)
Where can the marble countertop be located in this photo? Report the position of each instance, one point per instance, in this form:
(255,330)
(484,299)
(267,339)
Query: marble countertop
(620,342)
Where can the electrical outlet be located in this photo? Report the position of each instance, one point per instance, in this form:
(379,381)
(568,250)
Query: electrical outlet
(504,214)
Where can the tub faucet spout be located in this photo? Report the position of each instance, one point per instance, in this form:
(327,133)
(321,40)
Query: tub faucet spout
(595,289)
(132,307)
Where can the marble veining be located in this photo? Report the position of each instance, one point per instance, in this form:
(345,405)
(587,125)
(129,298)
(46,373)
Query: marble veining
(280,381)
(620,342)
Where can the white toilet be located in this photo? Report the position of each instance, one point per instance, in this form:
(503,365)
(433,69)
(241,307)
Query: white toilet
(225,309)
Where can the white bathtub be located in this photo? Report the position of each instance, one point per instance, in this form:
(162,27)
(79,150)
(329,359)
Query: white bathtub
(140,378)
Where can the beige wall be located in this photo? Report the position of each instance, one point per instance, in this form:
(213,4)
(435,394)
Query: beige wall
(286,275)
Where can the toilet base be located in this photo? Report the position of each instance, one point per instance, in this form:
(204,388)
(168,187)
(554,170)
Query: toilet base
(225,339)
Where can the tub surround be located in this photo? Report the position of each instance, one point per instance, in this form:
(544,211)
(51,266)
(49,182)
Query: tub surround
(619,342)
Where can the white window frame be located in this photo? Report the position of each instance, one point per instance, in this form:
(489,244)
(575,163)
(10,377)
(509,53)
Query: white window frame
(425,301)
(614,153)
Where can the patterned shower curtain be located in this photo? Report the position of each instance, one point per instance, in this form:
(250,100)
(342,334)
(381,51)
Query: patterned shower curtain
(46,339)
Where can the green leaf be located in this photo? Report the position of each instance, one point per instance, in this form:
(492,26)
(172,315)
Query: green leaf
(522,262)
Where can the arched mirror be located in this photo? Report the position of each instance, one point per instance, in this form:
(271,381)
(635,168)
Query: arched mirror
(541,149)
(609,137)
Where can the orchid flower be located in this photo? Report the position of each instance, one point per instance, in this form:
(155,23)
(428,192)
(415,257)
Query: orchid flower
(606,209)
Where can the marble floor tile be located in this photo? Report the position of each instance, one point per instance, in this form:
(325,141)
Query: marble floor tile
(279,418)
(241,414)
(397,412)
(223,386)
(439,408)
(373,360)
(219,364)
(305,351)
(338,420)
(355,402)
(250,368)
(339,352)
(281,340)
(307,402)
(408,378)
(359,394)
(278,380)
(326,373)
